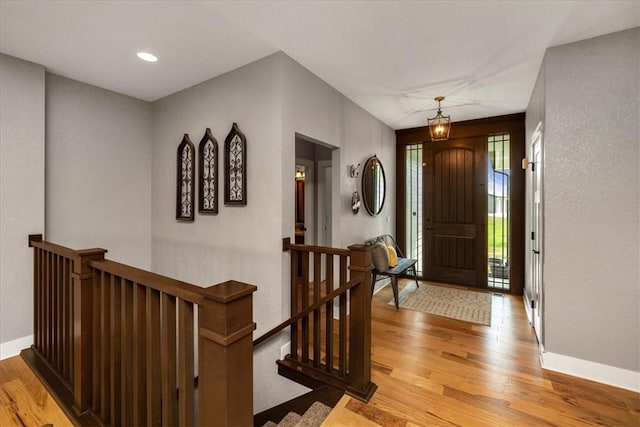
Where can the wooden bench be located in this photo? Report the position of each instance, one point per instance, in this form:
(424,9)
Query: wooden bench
(403,266)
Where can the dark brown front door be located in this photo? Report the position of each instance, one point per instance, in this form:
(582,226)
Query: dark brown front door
(455,211)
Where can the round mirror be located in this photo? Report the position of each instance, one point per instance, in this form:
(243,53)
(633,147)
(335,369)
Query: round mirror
(373,186)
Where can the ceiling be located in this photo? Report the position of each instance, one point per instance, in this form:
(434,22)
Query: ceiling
(392,58)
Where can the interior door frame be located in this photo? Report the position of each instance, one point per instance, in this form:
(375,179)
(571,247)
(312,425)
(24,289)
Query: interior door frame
(514,124)
(537,241)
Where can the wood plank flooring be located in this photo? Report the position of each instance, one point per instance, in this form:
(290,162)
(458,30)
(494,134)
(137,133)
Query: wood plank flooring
(430,371)
(24,401)
(434,371)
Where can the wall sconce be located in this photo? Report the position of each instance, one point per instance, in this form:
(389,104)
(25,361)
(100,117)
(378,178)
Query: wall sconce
(355,202)
(526,163)
(353,171)
(300,172)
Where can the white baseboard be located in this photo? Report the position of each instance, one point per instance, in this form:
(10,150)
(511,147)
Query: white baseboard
(593,371)
(527,307)
(13,348)
(285,349)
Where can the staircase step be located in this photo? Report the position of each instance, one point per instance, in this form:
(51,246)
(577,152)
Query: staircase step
(291,420)
(315,415)
(325,394)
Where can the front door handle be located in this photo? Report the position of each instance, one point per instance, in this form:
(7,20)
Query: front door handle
(536,252)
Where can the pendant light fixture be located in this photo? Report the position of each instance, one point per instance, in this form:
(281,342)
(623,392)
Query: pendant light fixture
(440,125)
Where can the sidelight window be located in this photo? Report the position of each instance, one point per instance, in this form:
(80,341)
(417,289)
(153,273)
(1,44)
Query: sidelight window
(498,211)
(413,210)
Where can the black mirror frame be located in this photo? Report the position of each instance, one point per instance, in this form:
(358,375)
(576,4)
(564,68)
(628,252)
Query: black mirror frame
(365,173)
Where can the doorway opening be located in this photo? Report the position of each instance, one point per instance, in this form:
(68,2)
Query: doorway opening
(313,194)
(498,212)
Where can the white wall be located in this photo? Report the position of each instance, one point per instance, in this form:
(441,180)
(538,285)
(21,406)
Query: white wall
(22,168)
(98,170)
(592,200)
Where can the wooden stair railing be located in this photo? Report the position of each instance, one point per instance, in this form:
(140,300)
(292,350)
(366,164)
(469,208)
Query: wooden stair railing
(333,351)
(120,341)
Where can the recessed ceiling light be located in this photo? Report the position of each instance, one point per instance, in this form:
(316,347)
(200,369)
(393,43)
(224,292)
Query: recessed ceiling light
(146,56)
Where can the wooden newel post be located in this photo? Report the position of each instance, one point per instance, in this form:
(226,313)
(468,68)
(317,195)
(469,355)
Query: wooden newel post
(225,355)
(83,290)
(360,384)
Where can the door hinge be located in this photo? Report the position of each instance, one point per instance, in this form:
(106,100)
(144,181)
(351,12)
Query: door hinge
(533,235)
(533,304)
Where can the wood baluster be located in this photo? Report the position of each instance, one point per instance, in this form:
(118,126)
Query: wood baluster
(304,304)
(47,306)
(126,352)
(115,351)
(106,362)
(98,343)
(64,315)
(317,276)
(60,314)
(37,296)
(168,360)
(55,300)
(70,307)
(139,355)
(185,363)
(342,324)
(226,355)
(154,389)
(329,314)
(360,323)
(295,256)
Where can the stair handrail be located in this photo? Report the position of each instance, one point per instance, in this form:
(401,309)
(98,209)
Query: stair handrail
(341,290)
(351,370)
(225,327)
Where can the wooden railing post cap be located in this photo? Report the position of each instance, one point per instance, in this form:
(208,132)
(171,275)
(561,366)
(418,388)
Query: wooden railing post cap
(34,238)
(360,247)
(228,291)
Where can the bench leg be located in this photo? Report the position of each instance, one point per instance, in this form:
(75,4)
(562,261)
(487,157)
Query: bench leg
(394,286)
(415,275)
(373,282)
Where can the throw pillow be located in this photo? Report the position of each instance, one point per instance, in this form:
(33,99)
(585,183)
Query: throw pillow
(380,256)
(393,255)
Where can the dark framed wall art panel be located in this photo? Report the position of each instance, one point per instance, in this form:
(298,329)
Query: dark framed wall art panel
(185,180)
(208,174)
(235,163)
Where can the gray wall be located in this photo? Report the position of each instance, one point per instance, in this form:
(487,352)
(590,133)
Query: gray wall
(592,201)
(21,189)
(98,170)
(271,100)
(240,243)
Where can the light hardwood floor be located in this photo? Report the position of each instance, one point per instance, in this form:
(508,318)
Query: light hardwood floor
(430,371)
(433,371)
(23,399)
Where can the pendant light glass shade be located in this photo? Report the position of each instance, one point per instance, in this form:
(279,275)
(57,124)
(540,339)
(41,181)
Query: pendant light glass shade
(440,125)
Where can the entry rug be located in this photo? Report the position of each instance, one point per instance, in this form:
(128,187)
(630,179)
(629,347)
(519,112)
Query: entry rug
(470,306)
